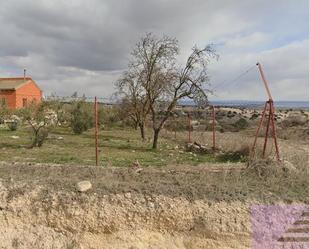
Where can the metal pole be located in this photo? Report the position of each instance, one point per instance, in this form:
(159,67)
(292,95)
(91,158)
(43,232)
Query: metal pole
(274,130)
(264,80)
(213,128)
(267,129)
(258,130)
(189,122)
(96,132)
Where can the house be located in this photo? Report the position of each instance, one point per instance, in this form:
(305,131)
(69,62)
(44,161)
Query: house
(18,92)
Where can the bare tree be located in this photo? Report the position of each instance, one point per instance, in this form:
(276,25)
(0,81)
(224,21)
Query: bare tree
(153,61)
(134,101)
(187,82)
(163,83)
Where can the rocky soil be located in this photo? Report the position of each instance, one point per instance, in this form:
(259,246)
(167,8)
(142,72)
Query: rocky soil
(43,206)
(46,213)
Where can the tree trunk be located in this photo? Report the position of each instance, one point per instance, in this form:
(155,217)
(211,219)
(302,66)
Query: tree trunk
(155,138)
(35,139)
(142,129)
(135,124)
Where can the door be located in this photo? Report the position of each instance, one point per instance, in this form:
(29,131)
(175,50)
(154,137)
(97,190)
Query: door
(24,102)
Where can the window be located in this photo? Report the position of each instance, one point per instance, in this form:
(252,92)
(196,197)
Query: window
(24,102)
(2,101)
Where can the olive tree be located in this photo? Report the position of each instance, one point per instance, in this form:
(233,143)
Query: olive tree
(81,117)
(38,120)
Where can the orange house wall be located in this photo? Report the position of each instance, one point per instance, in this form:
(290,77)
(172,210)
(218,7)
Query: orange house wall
(28,91)
(10,98)
(14,99)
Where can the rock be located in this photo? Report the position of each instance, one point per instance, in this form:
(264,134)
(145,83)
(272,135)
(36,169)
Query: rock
(60,138)
(15,118)
(289,167)
(136,164)
(128,195)
(84,186)
(196,148)
(138,170)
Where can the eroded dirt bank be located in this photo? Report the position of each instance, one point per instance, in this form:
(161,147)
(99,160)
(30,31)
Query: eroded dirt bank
(150,208)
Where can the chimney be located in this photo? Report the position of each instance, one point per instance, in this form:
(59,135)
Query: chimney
(24,74)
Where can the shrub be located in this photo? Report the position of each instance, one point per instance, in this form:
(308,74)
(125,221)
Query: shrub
(39,123)
(254,116)
(241,124)
(13,125)
(113,116)
(294,120)
(42,136)
(81,119)
(240,155)
(178,124)
(39,136)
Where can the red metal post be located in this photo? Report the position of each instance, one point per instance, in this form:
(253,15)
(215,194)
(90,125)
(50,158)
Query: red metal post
(96,132)
(264,80)
(258,129)
(267,128)
(213,128)
(271,119)
(272,110)
(189,123)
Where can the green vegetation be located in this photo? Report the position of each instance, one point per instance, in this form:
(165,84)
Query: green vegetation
(81,119)
(118,147)
(13,125)
(241,124)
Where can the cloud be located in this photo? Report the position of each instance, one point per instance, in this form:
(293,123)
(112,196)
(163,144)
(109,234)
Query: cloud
(83,46)
(284,67)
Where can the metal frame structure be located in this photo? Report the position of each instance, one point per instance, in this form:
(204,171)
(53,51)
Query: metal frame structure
(269,114)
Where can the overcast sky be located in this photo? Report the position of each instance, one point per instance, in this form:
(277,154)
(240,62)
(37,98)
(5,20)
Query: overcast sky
(78,45)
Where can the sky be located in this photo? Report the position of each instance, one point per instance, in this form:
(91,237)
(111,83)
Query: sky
(83,46)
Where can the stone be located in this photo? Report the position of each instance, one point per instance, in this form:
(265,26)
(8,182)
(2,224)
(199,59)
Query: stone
(83,186)
(138,170)
(136,164)
(289,167)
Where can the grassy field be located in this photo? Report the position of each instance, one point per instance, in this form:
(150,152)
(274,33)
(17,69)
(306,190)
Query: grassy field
(118,147)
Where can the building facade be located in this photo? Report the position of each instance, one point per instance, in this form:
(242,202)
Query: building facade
(19,92)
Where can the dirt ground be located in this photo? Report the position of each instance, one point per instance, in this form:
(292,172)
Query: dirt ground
(131,208)
(126,208)
(163,207)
